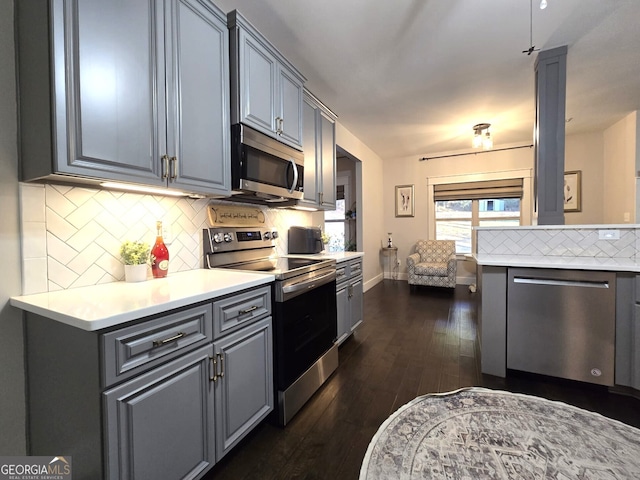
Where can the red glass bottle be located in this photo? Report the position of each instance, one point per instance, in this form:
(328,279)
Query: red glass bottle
(159,255)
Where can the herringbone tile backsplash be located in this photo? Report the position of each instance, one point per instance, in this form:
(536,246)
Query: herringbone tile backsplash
(569,242)
(71,236)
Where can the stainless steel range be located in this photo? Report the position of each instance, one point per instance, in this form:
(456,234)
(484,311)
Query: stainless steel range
(305,316)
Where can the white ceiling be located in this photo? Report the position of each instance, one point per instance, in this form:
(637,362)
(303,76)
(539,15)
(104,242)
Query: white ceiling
(411,77)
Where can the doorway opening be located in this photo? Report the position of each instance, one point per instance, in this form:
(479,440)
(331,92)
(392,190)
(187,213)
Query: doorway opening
(343,225)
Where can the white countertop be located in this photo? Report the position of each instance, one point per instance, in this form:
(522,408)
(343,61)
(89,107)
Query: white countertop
(599,226)
(110,304)
(575,263)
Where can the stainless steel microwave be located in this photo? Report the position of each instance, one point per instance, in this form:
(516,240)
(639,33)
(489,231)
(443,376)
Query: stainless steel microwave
(264,170)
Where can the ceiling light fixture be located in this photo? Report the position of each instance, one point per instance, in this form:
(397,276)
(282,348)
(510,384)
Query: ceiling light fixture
(482,136)
(543,4)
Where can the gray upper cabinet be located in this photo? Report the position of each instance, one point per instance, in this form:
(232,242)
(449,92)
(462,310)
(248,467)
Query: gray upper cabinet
(319,154)
(131,91)
(266,90)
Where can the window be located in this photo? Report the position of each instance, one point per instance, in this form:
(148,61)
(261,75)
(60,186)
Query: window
(460,207)
(336,222)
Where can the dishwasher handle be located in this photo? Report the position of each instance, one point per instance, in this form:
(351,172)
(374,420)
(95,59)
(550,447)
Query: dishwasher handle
(561,283)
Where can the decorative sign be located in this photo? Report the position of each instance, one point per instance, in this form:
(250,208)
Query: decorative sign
(235,216)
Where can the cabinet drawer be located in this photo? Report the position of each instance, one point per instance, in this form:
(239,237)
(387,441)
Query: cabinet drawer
(355,268)
(342,272)
(241,309)
(132,350)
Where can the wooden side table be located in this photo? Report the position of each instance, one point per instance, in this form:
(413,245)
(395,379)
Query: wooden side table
(390,252)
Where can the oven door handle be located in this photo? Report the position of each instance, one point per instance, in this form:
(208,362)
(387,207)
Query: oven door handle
(310,283)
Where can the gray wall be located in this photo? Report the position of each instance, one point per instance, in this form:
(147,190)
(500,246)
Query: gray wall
(12,393)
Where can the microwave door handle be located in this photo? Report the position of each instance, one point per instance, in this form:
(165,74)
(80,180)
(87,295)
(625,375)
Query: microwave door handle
(295,175)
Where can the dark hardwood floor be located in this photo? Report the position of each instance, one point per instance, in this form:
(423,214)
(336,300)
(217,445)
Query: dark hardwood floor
(411,343)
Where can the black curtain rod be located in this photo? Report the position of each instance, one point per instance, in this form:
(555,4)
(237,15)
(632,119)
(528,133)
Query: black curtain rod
(475,153)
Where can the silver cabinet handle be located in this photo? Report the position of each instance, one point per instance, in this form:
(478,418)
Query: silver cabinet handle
(159,343)
(174,168)
(221,357)
(212,369)
(165,166)
(248,310)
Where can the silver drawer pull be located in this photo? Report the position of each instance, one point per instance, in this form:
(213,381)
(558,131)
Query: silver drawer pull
(248,310)
(178,336)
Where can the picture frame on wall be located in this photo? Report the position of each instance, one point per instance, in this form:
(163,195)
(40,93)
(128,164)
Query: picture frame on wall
(405,203)
(572,191)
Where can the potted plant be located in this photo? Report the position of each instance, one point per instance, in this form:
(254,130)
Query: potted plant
(135,256)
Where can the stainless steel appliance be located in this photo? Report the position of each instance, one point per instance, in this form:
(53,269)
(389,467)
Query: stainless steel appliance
(305,240)
(264,170)
(561,323)
(305,315)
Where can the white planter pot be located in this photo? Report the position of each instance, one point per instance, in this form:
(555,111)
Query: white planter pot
(135,273)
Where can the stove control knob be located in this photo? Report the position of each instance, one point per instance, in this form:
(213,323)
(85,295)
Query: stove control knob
(217,237)
(274,234)
(267,235)
(227,237)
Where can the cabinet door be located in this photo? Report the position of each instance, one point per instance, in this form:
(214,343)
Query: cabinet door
(199,126)
(311,170)
(258,70)
(356,303)
(290,107)
(328,160)
(109,89)
(244,383)
(161,424)
(344,316)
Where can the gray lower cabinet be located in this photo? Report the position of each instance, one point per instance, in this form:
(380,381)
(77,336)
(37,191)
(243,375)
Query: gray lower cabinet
(132,91)
(164,397)
(492,322)
(344,312)
(243,383)
(162,423)
(266,89)
(356,303)
(349,296)
(319,154)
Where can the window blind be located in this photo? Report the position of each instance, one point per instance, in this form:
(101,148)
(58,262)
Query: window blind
(506,188)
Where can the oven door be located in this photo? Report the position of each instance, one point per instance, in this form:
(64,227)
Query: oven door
(304,328)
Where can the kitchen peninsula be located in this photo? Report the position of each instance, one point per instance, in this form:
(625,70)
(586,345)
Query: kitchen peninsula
(540,291)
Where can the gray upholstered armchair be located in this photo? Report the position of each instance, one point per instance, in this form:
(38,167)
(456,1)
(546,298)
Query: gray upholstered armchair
(433,263)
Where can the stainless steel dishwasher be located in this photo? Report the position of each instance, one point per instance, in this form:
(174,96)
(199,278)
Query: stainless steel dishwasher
(562,323)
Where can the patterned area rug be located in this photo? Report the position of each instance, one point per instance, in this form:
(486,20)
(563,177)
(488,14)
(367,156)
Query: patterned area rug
(477,433)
